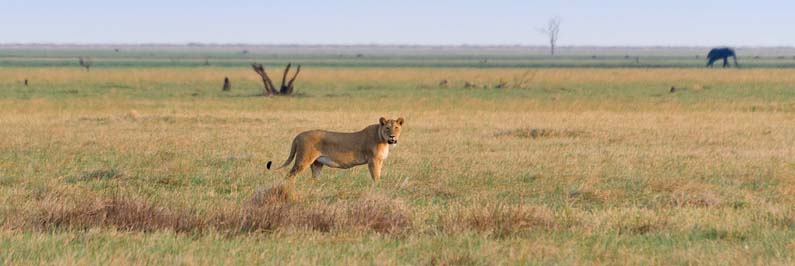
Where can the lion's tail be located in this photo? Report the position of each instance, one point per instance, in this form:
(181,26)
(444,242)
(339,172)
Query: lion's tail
(289,158)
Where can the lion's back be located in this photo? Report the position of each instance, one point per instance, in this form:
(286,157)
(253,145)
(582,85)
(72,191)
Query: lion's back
(324,139)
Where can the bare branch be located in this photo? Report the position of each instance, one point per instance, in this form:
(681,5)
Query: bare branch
(290,84)
(266,81)
(283,88)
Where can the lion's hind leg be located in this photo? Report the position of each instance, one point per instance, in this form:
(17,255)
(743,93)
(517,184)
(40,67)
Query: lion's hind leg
(298,167)
(302,161)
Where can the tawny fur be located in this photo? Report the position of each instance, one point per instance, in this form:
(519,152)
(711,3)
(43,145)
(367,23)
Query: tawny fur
(318,148)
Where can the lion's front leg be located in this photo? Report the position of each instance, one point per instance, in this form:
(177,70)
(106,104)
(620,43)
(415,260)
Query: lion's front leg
(375,168)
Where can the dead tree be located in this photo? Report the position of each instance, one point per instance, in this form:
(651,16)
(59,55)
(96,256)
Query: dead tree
(285,89)
(85,62)
(266,81)
(227,84)
(551,31)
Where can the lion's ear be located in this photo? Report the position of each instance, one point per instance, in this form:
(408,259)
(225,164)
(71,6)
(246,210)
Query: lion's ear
(382,121)
(399,121)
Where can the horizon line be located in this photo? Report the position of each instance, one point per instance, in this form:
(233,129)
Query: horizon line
(214,44)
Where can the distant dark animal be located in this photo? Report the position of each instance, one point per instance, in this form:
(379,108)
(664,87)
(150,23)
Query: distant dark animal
(227,84)
(26,82)
(85,62)
(443,83)
(721,53)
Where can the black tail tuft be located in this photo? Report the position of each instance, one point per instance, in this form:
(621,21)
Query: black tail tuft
(268,165)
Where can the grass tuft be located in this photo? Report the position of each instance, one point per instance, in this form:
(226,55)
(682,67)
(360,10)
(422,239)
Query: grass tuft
(496,219)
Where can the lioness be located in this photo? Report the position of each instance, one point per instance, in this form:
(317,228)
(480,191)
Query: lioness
(369,146)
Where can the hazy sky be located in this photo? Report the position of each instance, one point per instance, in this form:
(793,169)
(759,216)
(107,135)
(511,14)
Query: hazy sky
(625,22)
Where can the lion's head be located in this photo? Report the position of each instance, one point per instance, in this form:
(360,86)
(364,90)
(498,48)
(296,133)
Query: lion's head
(390,129)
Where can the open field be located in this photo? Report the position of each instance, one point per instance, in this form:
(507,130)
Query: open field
(367,56)
(134,165)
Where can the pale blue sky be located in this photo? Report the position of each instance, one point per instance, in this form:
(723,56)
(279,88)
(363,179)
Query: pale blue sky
(602,23)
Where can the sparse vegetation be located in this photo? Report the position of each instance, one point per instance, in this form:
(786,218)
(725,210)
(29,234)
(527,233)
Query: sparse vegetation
(566,166)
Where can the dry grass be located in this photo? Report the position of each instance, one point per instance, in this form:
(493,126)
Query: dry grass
(264,213)
(447,258)
(117,213)
(696,79)
(497,220)
(535,133)
(101,174)
(278,193)
(576,166)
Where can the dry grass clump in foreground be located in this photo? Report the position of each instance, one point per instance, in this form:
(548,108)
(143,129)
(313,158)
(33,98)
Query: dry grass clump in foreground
(115,212)
(268,210)
(278,193)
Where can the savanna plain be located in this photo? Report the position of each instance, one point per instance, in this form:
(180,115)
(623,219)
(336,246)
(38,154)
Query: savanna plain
(579,165)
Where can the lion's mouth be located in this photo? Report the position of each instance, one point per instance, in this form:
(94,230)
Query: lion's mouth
(392,141)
